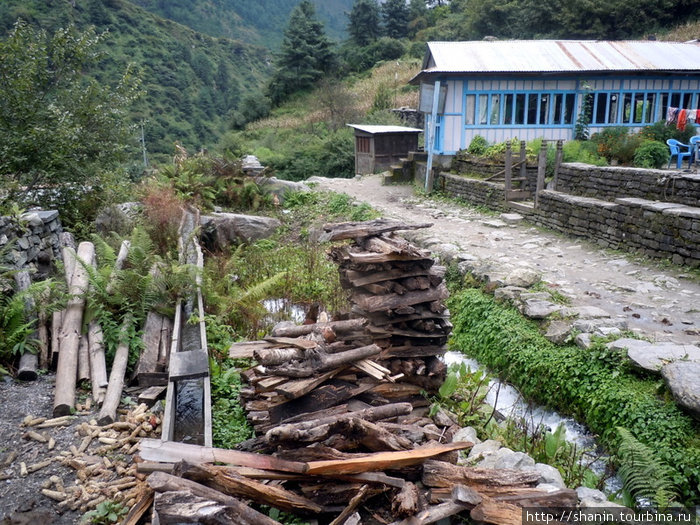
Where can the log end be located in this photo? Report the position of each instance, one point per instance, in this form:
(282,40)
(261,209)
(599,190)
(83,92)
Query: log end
(105,419)
(27,375)
(62,409)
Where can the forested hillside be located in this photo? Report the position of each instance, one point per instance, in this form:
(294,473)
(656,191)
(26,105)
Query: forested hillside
(260,22)
(192,83)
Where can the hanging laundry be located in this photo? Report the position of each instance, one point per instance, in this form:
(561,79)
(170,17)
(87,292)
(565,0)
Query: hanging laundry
(692,115)
(672,115)
(682,119)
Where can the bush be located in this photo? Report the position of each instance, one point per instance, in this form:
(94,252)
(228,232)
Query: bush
(651,154)
(616,143)
(583,151)
(660,132)
(478,145)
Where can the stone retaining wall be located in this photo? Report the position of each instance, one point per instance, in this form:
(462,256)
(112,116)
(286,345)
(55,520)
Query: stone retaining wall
(612,182)
(656,229)
(32,242)
(473,165)
(475,191)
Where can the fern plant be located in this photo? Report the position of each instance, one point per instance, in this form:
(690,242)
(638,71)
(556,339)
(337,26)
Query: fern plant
(644,476)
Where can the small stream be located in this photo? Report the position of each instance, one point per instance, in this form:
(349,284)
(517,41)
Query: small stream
(509,402)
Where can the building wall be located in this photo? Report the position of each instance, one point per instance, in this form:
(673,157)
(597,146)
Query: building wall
(31,242)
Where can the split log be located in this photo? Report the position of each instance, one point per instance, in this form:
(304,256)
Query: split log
(108,412)
(175,507)
(406,502)
(294,389)
(241,513)
(29,361)
(375,303)
(66,372)
(442,474)
(339,327)
(245,349)
(83,359)
(173,452)
(148,360)
(352,230)
(323,362)
(497,512)
(229,482)
(277,356)
(98,365)
(382,460)
(139,509)
(352,505)
(520,496)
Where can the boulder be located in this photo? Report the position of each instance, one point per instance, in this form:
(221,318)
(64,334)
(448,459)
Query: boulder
(683,379)
(558,332)
(118,218)
(583,341)
(222,229)
(279,187)
(508,293)
(507,458)
(591,325)
(653,356)
(550,475)
(537,309)
(466,434)
(592,495)
(483,449)
(522,277)
(585,312)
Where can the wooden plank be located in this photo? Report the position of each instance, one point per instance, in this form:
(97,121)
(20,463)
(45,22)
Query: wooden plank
(351,230)
(352,505)
(294,389)
(152,394)
(443,474)
(138,509)
(188,365)
(245,349)
(382,460)
(303,344)
(172,452)
(152,330)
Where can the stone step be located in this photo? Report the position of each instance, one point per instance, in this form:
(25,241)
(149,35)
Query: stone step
(522,206)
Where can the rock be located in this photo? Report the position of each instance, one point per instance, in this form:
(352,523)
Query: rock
(279,187)
(118,218)
(584,493)
(483,449)
(222,229)
(466,434)
(558,332)
(522,277)
(583,340)
(653,356)
(508,293)
(494,223)
(511,218)
(251,165)
(547,487)
(506,458)
(550,475)
(539,296)
(446,251)
(444,418)
(585,312)
(683,379)
(605,331)
(535,309)
(591,325)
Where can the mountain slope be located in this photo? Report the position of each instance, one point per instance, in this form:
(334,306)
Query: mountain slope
(261,22)
(192,81)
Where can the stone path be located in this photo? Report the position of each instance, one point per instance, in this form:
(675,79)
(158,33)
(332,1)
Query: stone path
(606,290)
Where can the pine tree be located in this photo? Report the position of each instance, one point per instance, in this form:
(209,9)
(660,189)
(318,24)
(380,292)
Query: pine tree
(305,56)
(395,15)
(364,24)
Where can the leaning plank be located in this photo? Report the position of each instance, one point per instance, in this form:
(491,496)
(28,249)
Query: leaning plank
(172,452)
(382,460)
(108,412)
(66,372)
(152,331)
(352,505)
(162,482)
(230,482)
(443,474)
(139,509)
(351,230)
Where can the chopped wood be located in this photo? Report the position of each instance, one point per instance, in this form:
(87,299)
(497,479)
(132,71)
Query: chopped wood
(322,362)
(406,502)
(350,230)
(108,412)
(339,327)
(352,505)
(375,303)
(442,474)
(246,349)
(497,512)
(303,344)
(172,452)
(98,366)
(382,460)
(277,356)
(163,483)
(230,482)
(142,505)
(292,389)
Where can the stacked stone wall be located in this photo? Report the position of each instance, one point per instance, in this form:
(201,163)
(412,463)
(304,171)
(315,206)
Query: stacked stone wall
(475,191)
(612,182)
(31,241)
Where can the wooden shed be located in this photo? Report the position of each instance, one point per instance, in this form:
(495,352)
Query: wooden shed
(378,147)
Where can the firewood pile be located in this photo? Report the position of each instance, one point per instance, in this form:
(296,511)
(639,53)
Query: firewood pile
(344,434)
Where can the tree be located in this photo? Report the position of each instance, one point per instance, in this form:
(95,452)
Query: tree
(364,26)
(395,15)
(305,56)
(58,127)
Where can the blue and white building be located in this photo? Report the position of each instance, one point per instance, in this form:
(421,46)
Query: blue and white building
(535,88)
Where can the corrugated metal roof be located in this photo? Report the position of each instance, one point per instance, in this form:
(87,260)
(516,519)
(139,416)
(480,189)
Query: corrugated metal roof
(368,128)
(532,56)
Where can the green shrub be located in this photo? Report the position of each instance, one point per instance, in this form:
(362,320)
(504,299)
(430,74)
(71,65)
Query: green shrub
(651,154)
(583,151)
(596,386)
(478,145)
(660,132)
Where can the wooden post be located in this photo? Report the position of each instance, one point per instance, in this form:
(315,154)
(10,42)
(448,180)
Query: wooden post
(67,369)
(508,170)
(523,160)
(541,169)
(98,366)
(28,362)
(557,162)
(108,413)
(430,146)
(83,359)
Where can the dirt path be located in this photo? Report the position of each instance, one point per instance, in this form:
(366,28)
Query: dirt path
(663,304)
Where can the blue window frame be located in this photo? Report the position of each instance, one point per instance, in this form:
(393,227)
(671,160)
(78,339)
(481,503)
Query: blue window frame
(636,108)
(518,108)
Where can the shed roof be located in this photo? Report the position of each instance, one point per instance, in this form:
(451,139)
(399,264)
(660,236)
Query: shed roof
(559,56)
(376,130)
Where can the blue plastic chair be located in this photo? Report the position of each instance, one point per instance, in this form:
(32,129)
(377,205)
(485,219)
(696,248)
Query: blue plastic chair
(694,146)
(678,149)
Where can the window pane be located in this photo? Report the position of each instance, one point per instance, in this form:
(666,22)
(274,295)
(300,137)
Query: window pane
(638,108)
(569,99)
(558,99)
(508,109)
(612,111)
(601,106)
(675,100)
(483,108)
(544,109)
(520,108)
(650,111)
(664,105)
(495,109)
(469,104)
(532,108)
(626,107)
